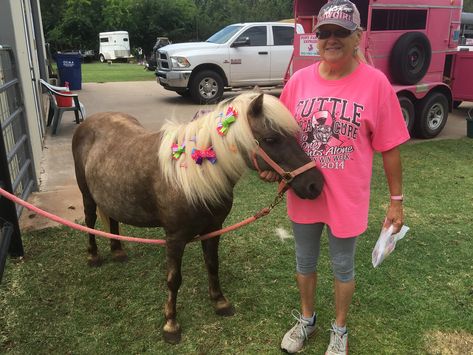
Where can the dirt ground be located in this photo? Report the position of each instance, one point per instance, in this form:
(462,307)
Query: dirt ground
(456,343)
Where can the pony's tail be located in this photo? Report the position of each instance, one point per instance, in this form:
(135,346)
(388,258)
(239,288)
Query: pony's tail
(105,220)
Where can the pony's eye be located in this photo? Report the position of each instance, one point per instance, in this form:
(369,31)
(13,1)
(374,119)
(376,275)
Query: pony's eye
(270,140)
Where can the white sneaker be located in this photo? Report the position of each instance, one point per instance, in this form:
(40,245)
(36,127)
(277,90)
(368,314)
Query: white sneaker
(293,340)
(338,343)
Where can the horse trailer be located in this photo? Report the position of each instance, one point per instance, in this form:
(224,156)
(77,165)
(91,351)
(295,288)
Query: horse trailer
(415,44)
(114,45)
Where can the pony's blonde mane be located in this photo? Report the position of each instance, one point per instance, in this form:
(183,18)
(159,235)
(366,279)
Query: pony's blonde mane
(208,183)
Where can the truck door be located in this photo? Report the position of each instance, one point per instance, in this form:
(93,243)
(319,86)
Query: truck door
(281,51)
(249,57)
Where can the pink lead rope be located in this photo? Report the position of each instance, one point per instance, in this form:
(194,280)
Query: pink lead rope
(75,225)
(283,186)
(82,228)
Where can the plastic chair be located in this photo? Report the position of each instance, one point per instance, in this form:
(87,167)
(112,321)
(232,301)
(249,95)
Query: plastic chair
(55,111)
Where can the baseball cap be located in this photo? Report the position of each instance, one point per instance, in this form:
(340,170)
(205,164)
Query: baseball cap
(339,12)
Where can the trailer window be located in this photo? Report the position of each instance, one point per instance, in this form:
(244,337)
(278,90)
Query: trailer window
(283,35)
(466,29)
(104,39)
(388,20)
(125,39)
(466,36)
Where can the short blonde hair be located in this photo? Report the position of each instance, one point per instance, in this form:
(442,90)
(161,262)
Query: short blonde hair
(359,53)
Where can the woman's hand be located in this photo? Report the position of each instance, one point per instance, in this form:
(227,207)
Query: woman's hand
(395,216)
(269,176)
(393,171)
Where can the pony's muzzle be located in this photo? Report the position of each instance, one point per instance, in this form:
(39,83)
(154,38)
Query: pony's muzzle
(314,190)
(308,185)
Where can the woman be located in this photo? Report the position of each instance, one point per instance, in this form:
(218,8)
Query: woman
(347,110)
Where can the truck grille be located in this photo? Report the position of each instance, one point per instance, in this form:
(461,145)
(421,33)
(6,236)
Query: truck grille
(163,61)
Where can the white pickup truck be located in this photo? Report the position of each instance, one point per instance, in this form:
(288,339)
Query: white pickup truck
(239,55)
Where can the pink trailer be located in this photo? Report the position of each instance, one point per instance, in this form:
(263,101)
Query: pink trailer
(415,43)
(462,76)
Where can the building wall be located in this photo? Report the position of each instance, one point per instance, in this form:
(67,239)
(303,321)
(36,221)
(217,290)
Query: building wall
(18,21)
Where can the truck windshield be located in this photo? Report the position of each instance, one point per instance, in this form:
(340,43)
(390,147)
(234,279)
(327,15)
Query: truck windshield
(224,34)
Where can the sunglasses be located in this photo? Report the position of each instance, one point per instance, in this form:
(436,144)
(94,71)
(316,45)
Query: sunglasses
(340,33)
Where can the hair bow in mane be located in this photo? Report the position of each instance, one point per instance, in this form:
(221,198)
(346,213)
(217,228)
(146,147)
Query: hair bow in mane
(177,151)
(200,155)
(230,117)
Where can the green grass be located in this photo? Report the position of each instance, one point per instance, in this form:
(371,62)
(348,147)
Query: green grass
(102,72)
(51,302)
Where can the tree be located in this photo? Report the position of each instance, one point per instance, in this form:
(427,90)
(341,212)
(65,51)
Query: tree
(215,14)
(117,15)
(71,24)
(468,5)
(75,24)
(168,18)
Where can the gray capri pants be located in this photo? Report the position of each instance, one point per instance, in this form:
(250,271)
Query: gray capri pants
(342,251)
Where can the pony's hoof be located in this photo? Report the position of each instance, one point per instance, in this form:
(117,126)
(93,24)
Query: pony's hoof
(94,260)
(224,309)
(119,256)
(172,337)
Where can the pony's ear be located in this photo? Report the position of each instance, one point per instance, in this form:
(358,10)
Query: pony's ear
(257,89)
(256,106)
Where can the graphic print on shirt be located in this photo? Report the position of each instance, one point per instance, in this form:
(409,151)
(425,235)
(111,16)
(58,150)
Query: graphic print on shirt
(330,127)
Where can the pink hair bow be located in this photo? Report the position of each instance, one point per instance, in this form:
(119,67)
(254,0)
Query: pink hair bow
(177,151)
(230,117)
(200,155)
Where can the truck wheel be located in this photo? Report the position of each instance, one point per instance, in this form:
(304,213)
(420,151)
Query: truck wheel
(102,58)
(206,87)
(410,58)
(432,115)
(408,112)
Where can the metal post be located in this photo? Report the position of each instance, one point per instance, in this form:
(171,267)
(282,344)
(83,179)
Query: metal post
(7,207)
(5,237)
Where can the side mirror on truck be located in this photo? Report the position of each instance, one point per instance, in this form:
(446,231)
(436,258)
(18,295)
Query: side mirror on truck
(240,42)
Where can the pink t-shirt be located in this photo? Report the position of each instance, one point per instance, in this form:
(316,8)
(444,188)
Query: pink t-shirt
(343,122)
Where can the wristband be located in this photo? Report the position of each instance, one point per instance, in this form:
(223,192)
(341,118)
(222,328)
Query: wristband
(397,197)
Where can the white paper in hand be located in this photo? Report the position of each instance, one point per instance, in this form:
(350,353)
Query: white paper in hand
(386,243)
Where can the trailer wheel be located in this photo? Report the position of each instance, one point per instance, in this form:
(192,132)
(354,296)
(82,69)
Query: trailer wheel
(410,58)
(206,87)
(432,115)
(102,58)
(408,112)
